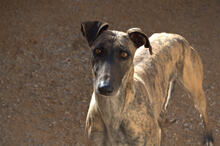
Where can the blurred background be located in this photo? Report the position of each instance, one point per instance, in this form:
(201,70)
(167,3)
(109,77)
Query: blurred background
(45,73)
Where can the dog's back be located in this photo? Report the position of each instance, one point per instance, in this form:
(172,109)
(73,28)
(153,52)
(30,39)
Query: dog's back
(157,70)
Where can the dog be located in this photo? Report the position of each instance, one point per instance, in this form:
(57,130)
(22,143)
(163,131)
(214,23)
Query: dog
(133,77)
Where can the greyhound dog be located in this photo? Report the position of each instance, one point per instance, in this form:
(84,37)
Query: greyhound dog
(133,79)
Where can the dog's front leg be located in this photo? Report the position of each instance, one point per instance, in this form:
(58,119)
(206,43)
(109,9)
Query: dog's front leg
(95,129)
(97,139)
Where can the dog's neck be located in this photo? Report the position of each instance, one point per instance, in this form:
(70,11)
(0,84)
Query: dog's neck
(112,108)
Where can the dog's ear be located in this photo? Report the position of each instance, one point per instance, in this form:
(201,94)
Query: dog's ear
(139,38)
(92,29)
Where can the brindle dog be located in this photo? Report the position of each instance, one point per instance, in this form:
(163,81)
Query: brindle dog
(132,84)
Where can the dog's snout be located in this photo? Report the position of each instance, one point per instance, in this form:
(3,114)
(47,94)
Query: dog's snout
(105,88)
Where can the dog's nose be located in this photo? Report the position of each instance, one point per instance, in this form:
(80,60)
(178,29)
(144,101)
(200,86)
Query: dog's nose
(105,88)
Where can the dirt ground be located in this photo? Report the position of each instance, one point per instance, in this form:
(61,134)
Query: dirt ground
(45,78)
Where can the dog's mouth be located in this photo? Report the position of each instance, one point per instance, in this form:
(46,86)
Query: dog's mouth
(105,93)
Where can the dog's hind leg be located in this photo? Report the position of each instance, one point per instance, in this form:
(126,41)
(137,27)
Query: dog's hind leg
(191,77)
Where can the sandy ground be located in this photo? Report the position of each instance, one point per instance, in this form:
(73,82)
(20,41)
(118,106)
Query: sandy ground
(45,78)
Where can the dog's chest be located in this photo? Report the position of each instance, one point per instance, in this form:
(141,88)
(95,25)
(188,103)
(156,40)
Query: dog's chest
(137,129)
(127,134)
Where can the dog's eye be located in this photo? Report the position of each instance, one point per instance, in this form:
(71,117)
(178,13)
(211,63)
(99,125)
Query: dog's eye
(124,54)
(97,51)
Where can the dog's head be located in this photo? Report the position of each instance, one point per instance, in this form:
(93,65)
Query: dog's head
(112,54)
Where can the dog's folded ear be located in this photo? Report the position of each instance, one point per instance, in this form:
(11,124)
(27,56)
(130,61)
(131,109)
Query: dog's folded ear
(92,29)
(139,38)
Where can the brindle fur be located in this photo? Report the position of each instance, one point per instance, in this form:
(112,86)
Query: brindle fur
(131,116)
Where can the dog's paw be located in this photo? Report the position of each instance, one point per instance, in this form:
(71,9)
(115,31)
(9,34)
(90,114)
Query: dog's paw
(209,141)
